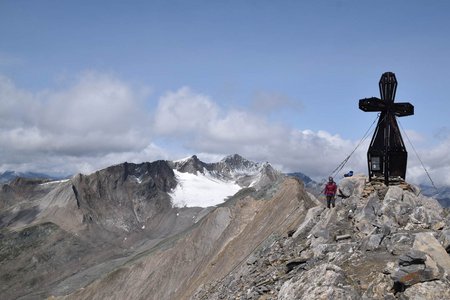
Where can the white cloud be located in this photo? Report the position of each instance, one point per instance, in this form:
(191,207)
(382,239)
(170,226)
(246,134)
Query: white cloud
(201,126)
(435,160)
(101,120)
(184,111)
(413,136)
(96,116)
(197,122)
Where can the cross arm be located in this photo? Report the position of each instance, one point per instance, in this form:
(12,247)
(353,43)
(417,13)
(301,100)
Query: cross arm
(403,109)
(372,104)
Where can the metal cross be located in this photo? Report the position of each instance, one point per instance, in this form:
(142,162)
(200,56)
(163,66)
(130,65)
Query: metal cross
(387,155)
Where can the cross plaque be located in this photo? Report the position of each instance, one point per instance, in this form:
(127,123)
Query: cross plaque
(387,155)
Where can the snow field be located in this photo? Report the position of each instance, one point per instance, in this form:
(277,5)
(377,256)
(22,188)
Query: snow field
(201,190)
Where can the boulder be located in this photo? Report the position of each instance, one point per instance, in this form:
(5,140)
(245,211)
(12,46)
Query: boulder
(412,257)
(416,265)
(426,242)
(365,217)
(399,243)
(432,290)
(325,281)
(394,193)
(445,239)
(410,275)
(351,186)
(291,264)
(373,242)
(310,220)
(379,288)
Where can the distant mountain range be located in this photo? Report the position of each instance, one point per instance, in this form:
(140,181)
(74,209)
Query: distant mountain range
(206,184)
(9,176)
(232,168)
(442,194)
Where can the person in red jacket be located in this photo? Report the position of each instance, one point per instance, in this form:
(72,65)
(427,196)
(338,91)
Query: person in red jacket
(330,192)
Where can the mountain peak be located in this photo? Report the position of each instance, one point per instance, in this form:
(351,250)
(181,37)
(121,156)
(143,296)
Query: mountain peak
(203,183)
(237,162)
(191,165)
(232,157)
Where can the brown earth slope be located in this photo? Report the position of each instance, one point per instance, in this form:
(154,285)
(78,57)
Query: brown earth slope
(209,251)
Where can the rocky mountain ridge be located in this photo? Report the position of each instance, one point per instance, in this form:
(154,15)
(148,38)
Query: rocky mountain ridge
(442,194)
(75,230)
(233,167)
(114,234)
(379,243)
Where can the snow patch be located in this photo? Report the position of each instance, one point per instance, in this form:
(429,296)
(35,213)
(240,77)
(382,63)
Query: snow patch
(56,181)
(256,179)
(201,190)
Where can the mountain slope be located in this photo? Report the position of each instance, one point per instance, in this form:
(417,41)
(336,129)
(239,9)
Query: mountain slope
(208,251)
(442,194)
(61,235)
(209,184)
(378,243)
(117,234)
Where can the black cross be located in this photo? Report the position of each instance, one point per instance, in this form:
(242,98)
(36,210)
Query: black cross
(387,155)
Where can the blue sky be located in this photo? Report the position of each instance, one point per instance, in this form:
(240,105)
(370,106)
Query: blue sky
(92,83)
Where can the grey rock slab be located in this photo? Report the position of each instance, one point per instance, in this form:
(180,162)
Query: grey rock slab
(399,243)
(373,242)
(310,220)
(251,260)
(291,264)
(445,239)
(352,185)
(432,290)
(412,257)
(426,242)
(394,193)
(410,275)
(325,281)
(379,288)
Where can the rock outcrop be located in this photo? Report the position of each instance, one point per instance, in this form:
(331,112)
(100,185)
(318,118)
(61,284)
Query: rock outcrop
(378,245)
(60,235)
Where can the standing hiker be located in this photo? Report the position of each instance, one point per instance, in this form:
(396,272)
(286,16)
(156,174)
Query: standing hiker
(330,192)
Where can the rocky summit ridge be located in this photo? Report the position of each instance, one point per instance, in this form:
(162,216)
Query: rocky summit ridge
(378,243)
(115,234)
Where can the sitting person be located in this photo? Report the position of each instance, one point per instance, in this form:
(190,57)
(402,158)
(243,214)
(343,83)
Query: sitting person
(349,174)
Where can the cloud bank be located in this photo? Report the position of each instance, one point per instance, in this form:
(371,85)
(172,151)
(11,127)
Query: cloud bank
(100,120)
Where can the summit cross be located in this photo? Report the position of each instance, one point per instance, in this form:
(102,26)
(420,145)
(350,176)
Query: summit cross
(387,155)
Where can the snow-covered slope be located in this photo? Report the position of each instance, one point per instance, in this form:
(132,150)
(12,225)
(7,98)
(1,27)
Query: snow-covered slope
(203,184)
(201,190)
